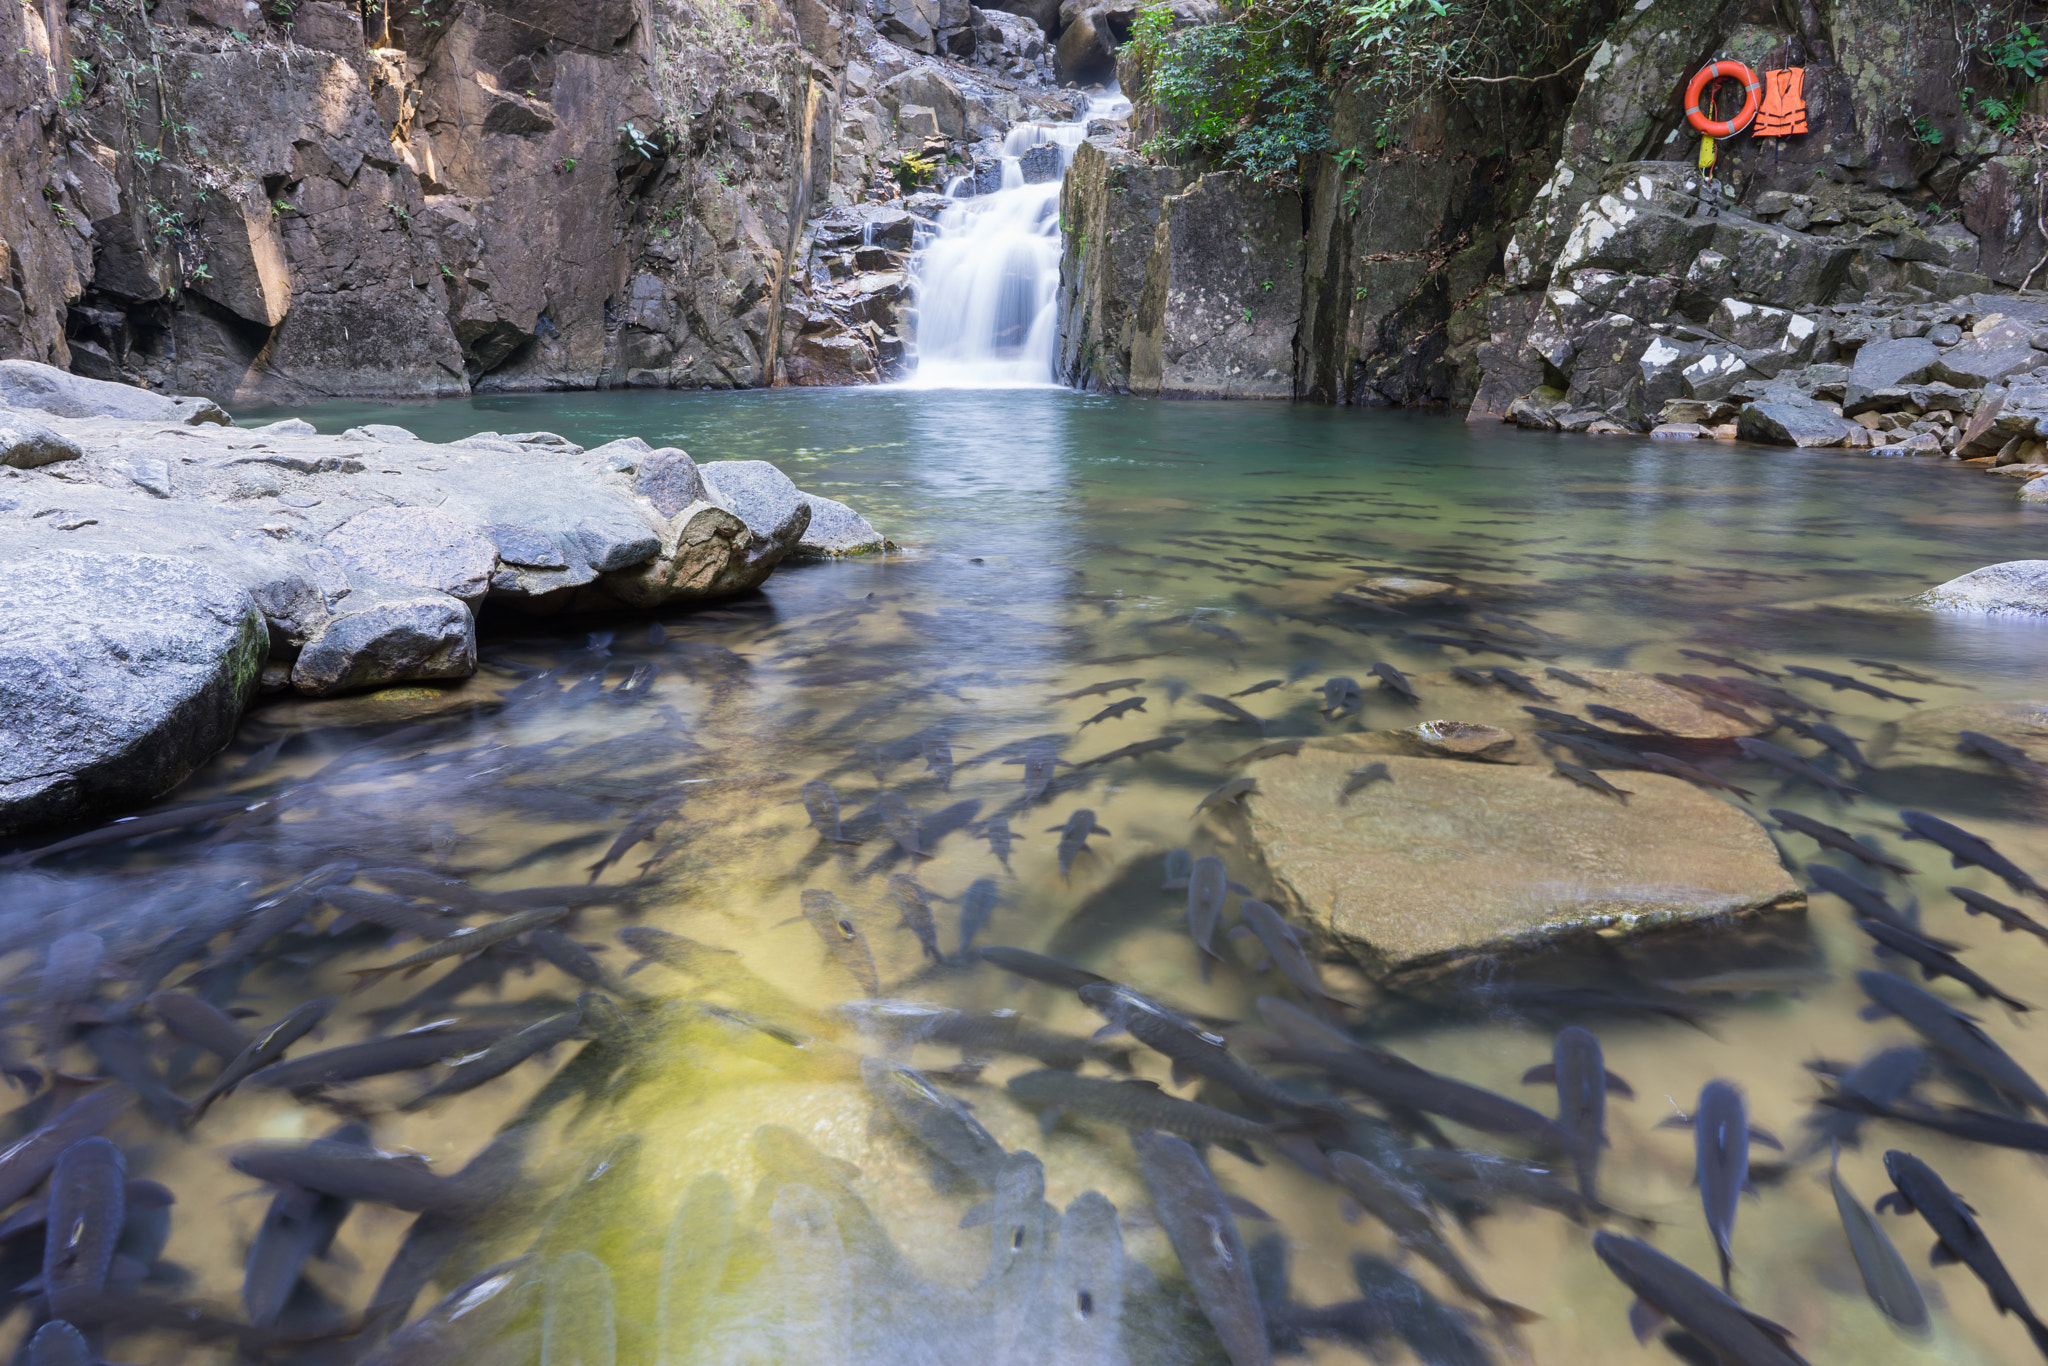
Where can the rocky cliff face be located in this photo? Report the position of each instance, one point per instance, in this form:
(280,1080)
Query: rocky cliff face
(1556,245)
(297,198)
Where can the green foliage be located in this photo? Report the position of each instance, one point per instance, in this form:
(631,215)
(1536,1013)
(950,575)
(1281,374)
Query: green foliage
(165,222)
(1926,132)
(638,143)
(1238,94)
(81,82)
(912,170)
(2022,54)
(2003,116)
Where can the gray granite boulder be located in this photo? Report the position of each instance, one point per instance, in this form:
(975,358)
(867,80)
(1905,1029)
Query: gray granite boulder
(419,547)
(119,674)
(26,444)
(1888,364)
(1975,364)
(1792,421)
(836,529)
(29,384)
(2014,586)
(389,636)
(761,496)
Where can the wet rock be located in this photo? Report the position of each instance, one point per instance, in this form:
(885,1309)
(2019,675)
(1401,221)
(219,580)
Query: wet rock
(1086,54)
(1681,431)
(1041,164)
(1795,422)
(1459,740)
(836,529)
(388,639)
(760,495)
(1927,737)
(44,388)
(119,675)
(2014,586)
(1400,590)
(1975,364)
(1448,862)
(1886,364)
(1112,201)
(668,479)
(27,444)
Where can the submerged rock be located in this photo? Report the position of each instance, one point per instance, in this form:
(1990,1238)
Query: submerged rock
(837,529)
(1451,861)
(2014,586)
(119,675)
(1460,740)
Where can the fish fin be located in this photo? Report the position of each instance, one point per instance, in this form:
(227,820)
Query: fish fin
(1239,1148)
(1765,1137)
(1776,1330)
(1098,830)
(1644,1319)
(1941,1254)
(1673,1122)
(980,1215)
(1542,1072)
(1237,932)
(1508,1312)
(1893,1202)
(1181,1073)
(31,1286)
(1049,1118)
(1350,1211)
(1108,1031)
(1617,1087)
(1245,1209)
(1237,887)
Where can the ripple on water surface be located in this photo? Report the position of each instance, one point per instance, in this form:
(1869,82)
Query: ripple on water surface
(690,1166)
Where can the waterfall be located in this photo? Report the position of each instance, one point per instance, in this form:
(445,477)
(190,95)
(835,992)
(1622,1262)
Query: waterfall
(986,277)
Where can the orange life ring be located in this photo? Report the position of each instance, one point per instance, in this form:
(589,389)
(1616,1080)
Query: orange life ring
(1714,71)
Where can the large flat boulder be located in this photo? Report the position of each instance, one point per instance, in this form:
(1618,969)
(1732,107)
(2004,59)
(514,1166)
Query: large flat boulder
(45,388)
(119,675)
(1450,861)
(2014,586)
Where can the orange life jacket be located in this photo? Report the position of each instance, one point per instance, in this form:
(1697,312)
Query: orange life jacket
(1784,108)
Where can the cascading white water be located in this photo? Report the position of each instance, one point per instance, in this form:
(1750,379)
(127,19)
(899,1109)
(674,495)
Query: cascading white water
(985,281)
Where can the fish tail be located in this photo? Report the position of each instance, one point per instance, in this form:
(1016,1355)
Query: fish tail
(1507,1312)
(2038,1332)
(366,978)
(1727,1268)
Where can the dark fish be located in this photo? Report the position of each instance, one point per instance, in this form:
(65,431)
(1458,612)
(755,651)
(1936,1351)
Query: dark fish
(1116,710)
(1341,695)
(1745,982)
(1157,745)
(1692,773)
(1218,630)
(1587,778)
(1407,1216)
(1721,1135)
(1577,682)
(400,915)
(464,942)
(1999,752)
(469,1317)
(1721,707)
(1820,732)
(902,823)
(1595,751)
(351,1172)
(1520,683)
(1954,1034)
(1486,1176)
(1230,710)
(1886,1280)
(1838,682)
(821,803)
(1134,1105)
(2009,917)
(1227,793)
(1828,837)
(1360,778)
(1208,884)
(1934,960)
(1619,717)
(1866,901)
(125,1057)
(1724,662)
(1260,687)
(1193,1051)
(1878,1080)
(1099,689)
(375,1058)
(134,827)
(1565,721)
(88,1202)
(1579,1072)
(938,758)
(1901,674)
(1393,1080)
(1785,760)
(1038,760)
(1965,848)
(199,1022)
(916,910)
(1394,681)
(1074,837)
(1204,1236)
(570,956)
(58,1343)
(1437,1334)
(299,1226)
(1054,972)
(674,950)
(977,904)
(1282,944)
(70,970)
(996,830)
(1957,1237)
(266,1049)
(1274,750)
(1549,998)
(641,827)
(1665,1289)
(501,1057)
(834,925)
(25,1162)
(1743,692)
(934,1119)
(1465,673)
(979,1036)
(1973,1126)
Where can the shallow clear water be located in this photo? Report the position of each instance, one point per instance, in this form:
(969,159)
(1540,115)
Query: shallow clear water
(1051,541)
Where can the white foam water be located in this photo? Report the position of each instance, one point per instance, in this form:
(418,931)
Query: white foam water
(986,280)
